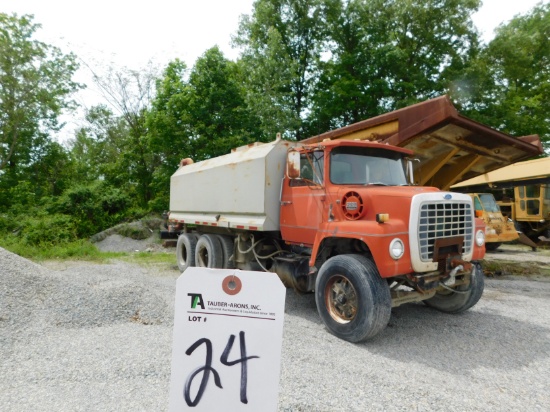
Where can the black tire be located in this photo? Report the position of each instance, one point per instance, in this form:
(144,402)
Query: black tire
(352,299)
(209,252)
(492,246)
(452,302)
(228,249)
(185,250)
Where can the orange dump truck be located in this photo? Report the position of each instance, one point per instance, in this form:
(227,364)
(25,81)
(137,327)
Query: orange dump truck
(338,218)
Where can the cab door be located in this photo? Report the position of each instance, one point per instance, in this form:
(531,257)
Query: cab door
(303,201)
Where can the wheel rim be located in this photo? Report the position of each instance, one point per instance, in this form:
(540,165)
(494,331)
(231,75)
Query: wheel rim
(202,256)
(341,299)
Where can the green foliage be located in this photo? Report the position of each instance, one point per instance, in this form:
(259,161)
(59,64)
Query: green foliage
(219,117)
(327,63)
(351,84)
(429,38)
(200,114)
(509,83)
(21,197)
(282,44)
(382,56)
(80,249)
(36,227)
(132,231)
(7,224)
(121,140)
(97,148)
(93,207)
(48,229)
(79,213)
(36,82)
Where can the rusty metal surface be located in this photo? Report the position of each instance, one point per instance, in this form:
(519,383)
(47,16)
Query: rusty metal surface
(450,147)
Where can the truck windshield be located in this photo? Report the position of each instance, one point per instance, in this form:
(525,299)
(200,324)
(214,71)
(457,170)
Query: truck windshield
(488,202)
(367,166)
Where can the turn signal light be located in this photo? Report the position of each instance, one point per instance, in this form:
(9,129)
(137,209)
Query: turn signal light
(382,217)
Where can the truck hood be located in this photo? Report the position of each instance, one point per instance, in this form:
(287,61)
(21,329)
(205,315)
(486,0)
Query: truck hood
(371,200)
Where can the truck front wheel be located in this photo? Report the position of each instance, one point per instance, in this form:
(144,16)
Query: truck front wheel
(352,299)
(465,296)
(185,250)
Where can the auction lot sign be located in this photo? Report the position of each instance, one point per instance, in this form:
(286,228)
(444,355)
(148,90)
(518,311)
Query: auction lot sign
(227,339)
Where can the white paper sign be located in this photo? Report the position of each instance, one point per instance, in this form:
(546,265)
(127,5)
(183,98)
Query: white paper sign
(228,330)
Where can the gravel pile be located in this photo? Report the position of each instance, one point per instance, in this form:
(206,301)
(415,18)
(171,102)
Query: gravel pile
(118,243)
(88,337)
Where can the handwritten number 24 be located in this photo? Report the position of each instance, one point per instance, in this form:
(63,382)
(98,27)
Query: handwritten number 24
(207,368)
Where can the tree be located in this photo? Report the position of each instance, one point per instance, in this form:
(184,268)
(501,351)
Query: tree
(430,40)
(129,93)
(511,81)
(97,149)
(281,45)
(327,63)
(169,125)
(52,172)
(35,87)
(387,54)
(353,81)
(220,117)
(36,83)
(198,114)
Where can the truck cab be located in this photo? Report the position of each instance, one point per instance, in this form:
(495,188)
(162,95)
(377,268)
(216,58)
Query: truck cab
(347,201)
(529,208)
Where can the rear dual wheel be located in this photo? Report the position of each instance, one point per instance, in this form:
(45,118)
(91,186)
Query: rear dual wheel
(214,251)
(185,250)
(208,250)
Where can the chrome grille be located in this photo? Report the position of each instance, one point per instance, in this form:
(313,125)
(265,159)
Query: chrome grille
(443,220)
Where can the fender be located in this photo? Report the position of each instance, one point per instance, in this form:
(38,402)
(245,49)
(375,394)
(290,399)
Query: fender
(376,236)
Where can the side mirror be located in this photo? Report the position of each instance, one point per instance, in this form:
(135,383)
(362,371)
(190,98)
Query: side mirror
(293,165)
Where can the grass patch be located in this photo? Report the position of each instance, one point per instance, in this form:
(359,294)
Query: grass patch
(86,251)
(507,268)
(80,249)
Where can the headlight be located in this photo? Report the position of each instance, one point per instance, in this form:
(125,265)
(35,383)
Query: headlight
(480,238)
(397,248)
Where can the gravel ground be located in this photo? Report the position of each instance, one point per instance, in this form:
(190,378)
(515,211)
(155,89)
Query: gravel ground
(84,337)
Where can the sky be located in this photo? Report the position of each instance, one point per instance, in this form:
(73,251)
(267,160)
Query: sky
(117,33)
